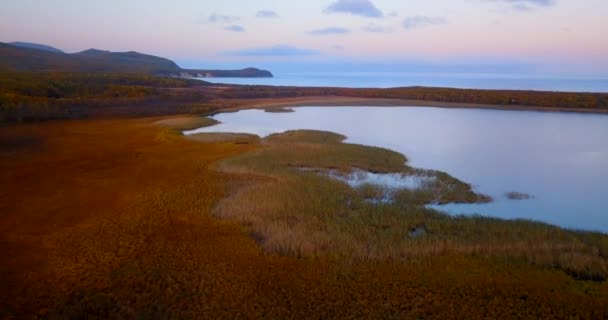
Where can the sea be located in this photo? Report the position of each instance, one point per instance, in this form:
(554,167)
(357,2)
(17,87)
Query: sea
(499,81)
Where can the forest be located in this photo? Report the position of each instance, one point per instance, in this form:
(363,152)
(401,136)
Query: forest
(45,96)
(475,96)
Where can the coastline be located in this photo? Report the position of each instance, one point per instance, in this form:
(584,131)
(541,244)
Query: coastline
(341,101)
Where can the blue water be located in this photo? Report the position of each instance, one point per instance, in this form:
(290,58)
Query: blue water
(561,159)
(428,79)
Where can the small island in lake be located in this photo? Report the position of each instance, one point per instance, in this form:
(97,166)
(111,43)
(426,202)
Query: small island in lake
(513,195)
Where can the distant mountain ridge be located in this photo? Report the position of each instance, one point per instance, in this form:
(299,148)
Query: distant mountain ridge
(37,46)
(133,60)
(31,57)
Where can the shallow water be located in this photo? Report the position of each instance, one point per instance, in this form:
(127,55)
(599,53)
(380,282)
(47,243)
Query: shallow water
(428,79)
(560,159)
(388,183)
(358,178)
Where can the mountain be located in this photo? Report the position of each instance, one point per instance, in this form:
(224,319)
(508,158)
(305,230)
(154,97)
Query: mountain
(36,46)
(18,58)
(26,59)
(132,60)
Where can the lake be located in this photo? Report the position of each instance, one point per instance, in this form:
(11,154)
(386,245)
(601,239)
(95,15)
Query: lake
(560,159)
(428,79)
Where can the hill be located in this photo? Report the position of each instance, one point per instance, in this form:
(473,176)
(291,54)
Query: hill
(36,46)
(37,59)
(21,59)
(131,61)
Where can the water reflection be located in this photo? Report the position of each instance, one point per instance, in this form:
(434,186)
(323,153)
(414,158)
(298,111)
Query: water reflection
(358,178)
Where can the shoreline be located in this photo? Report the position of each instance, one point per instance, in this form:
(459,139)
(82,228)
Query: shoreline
(247,138)
(341,101)
(516,194)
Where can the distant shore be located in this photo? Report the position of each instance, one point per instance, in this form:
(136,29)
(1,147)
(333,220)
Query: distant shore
(339,101)
(33,97)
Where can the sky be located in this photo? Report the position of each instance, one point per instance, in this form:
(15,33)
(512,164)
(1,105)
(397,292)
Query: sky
(565,36)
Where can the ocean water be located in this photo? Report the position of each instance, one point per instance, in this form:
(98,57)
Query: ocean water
(560,159)
(428,79)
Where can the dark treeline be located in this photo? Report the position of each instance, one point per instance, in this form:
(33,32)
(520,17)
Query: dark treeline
(43,96)
(568,100)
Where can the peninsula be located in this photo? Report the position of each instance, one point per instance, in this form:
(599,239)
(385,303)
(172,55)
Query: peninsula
(32,57)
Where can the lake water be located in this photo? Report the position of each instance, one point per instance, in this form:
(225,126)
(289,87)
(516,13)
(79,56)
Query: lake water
(561,159)
(428,79)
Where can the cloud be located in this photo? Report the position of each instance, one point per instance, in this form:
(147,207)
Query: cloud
(363,8)
(375,28)
(219,18)
(235,28)
(273,51)
(544,3)
(525,5)
(266,14)
(422,21)
(329,31)
(521,7)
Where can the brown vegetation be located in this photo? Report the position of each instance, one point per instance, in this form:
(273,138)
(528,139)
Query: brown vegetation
(236,138)
(181,123)
(111,219)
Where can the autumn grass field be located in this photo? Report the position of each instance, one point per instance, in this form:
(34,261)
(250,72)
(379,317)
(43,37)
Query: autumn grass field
(128,219)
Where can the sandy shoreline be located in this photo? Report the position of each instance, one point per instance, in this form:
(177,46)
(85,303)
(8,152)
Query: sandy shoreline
(336,101)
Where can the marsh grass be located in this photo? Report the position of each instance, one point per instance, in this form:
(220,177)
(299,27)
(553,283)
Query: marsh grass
(172,128)
(186,123)
(236,138)
(306,214)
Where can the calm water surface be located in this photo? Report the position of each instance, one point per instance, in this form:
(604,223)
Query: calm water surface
(561,159)
(428,79)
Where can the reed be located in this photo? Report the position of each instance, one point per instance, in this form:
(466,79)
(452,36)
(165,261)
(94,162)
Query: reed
(303,213)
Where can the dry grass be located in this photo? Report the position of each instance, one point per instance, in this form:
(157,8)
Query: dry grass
(302,213)
(182,123)
(102,219)
(236,138)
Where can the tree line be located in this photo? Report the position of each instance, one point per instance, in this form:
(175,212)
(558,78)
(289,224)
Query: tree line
(42,96)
